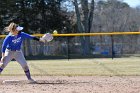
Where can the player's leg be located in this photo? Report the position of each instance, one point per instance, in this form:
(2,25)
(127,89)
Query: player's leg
(8,57)
(19,57)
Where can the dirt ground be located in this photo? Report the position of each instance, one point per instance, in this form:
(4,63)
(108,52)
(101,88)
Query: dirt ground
(76,84)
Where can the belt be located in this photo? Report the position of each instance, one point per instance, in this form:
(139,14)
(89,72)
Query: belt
(13,50)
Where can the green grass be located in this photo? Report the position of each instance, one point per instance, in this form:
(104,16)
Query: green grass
(79,67)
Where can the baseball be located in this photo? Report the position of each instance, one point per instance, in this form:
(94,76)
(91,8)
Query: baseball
(55,32)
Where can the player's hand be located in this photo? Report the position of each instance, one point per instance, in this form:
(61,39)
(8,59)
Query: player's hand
(2,59)
(1,63)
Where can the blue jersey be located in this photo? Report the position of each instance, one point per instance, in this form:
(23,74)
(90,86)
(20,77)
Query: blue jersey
(14,43)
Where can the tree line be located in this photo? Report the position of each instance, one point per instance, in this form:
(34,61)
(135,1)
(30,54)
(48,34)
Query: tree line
(37,16)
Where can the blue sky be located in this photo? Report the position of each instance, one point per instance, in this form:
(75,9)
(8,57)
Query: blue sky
(132,3)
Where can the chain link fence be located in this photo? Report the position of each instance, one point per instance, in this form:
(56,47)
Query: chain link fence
(100,46)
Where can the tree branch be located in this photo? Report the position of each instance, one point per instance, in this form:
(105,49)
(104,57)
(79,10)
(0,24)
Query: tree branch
(80,26)
(85,10)
(90,17)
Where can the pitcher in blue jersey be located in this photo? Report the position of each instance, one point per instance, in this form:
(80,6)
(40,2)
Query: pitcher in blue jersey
(11,48)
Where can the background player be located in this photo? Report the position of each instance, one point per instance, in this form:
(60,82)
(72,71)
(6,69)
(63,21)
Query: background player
(11,48)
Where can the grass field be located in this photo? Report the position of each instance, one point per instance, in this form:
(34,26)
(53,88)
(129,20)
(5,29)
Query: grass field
(99,75)
(79,67)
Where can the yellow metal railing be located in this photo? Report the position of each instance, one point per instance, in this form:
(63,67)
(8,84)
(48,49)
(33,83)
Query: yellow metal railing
(87,34)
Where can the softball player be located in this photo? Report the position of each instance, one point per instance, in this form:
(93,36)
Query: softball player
(11,48)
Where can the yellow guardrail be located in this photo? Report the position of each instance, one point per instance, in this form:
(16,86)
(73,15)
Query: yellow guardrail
(98,34)
(87,34)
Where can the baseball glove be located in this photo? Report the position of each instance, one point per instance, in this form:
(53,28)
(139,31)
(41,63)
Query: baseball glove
(47,37)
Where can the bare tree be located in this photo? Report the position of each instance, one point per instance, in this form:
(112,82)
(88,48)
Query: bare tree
(84,12)
(115,16)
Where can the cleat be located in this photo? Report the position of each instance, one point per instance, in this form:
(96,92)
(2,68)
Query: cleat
(31,81)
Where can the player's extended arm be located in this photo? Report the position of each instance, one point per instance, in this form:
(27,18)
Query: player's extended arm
(25,35)
(45,38)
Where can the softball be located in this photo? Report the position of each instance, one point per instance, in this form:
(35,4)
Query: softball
(55,32)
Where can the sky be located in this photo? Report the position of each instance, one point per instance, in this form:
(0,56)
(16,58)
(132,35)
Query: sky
(132,3)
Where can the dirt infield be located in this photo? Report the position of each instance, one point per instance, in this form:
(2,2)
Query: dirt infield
(77,84)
